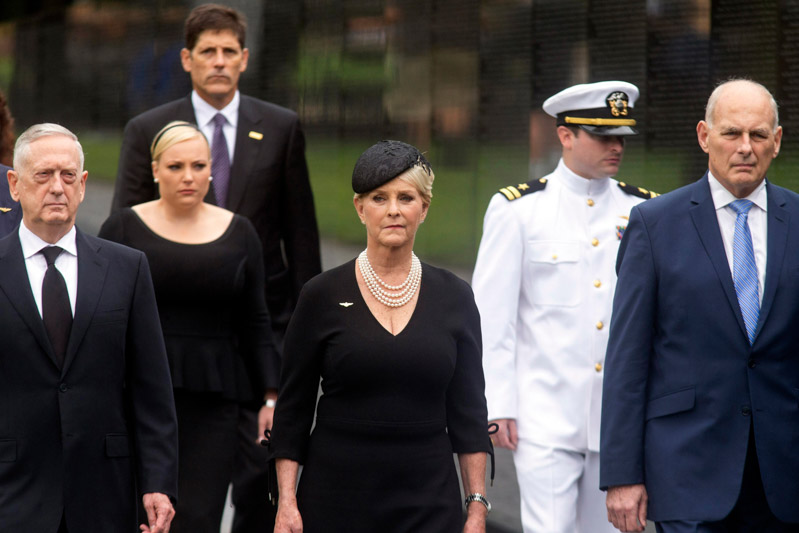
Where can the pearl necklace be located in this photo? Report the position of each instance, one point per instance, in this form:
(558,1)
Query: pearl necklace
(400,294)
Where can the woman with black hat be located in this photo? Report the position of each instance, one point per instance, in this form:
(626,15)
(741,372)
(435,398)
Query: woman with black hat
(397,345)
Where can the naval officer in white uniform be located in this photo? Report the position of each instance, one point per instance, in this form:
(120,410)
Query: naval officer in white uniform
(544,283)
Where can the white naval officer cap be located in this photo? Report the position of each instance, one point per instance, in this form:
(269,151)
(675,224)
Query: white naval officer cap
(601,108)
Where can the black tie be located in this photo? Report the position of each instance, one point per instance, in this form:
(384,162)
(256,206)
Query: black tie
(56,311)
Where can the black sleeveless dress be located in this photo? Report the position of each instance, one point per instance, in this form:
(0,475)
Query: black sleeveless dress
(393,409)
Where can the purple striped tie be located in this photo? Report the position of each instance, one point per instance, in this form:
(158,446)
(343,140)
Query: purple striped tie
(220,164)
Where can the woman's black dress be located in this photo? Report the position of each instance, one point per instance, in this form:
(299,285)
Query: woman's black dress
(393,409)
(219,344)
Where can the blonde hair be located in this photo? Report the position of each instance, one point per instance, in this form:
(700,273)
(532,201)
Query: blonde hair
(173,133)
(419,178)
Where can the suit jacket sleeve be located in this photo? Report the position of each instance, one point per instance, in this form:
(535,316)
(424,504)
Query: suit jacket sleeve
(152,403)
(254,328)
(301,236)
(134,183)
(627,359)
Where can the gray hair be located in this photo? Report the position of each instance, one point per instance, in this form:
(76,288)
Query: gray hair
(36,132)
(710,109)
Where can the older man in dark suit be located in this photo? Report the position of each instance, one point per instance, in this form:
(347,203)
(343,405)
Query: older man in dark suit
(87,417)
(700,414)
(259,171)
(10,212)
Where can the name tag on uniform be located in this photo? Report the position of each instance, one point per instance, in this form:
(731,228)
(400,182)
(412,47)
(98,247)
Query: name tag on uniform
(256,135)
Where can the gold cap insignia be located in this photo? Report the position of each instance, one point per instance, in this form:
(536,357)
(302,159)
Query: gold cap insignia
(256,135)
(617,102)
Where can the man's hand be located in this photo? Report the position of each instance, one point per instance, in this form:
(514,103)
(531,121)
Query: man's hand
(506,436)
(159,513)
(627,507)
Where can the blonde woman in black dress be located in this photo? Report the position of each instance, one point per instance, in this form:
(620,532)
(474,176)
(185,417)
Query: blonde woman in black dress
(208,274)
(397,346)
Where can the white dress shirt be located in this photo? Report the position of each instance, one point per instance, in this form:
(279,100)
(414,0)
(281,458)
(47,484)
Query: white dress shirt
(205,113)
(36,264)
(758,224)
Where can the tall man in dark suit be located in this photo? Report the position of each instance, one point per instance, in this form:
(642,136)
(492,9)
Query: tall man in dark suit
(10,212)
(700,416)
(259,171)
(87,416)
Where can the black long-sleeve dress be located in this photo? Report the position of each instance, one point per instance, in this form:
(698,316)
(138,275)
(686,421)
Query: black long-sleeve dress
(219,344)
(393,409)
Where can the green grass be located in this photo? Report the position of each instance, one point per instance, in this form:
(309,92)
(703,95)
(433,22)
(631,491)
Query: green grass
(101,149)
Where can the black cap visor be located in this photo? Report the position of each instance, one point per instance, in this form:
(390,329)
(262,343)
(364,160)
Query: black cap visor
(608,130)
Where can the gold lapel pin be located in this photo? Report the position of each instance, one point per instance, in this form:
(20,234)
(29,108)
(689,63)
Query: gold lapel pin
(345,304)
(5,209)
(256,135)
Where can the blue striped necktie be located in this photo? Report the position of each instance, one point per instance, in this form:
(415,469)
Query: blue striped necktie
(744,268)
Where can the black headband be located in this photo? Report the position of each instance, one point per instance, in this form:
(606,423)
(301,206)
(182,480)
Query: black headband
(173,126)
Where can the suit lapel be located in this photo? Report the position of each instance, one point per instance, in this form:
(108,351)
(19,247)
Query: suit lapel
(183,111)
(777,236)
(703,214)
(15,284)
(246,151)
(92,270)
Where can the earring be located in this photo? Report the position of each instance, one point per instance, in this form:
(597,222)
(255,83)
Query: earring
(155,180)
(210,178)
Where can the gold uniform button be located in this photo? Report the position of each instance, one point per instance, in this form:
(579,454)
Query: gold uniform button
(597,283)
(594,242)
(598,367)
(600,325)
(590,203)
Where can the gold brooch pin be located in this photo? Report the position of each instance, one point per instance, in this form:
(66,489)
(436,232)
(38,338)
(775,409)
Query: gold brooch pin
(5,209)
(256,135)
(345,304)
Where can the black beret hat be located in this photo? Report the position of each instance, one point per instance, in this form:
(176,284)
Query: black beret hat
(384,161)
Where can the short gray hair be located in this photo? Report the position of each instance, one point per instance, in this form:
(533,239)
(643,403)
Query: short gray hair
(710,109)
(36,132)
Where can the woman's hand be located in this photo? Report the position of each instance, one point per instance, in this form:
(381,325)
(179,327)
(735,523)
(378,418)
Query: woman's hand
(475,518)
(265,416)
(288,519)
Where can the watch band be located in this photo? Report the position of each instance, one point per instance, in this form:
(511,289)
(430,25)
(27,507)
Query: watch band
(477,497)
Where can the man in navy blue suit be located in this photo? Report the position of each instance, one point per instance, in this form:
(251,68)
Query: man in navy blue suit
(700,414)
(10,212)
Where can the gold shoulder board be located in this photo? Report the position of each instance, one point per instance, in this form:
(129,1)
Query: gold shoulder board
(640,192)
(512,192)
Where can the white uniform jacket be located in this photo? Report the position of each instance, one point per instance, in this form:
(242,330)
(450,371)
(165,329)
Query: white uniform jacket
(544,283)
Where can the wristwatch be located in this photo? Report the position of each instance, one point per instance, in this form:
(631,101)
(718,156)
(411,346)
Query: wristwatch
(477,497)
(270,403)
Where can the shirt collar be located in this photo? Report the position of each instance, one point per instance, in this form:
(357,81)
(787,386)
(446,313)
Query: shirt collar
(722,197)
(32,244)
(579,184)
(205,112)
